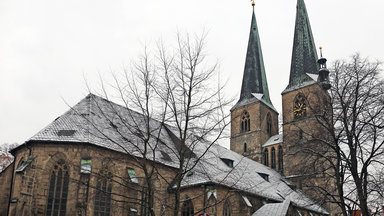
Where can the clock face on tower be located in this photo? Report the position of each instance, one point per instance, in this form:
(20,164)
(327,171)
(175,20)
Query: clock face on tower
(300,109)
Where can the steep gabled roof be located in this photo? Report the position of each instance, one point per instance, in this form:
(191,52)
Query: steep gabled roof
(304,55)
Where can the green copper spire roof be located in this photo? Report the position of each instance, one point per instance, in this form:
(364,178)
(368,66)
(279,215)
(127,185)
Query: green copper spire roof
(254,79)
(304,55)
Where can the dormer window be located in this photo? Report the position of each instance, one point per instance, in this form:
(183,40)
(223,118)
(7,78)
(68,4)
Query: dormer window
(228,162)
(245,122)
(264,176)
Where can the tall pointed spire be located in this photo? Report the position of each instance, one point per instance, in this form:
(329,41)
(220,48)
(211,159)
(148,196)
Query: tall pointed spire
(254,78)
(304,55)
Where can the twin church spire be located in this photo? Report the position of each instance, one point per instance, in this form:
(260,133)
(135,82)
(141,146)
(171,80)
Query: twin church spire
(254,78)
(304,59)
(304,54)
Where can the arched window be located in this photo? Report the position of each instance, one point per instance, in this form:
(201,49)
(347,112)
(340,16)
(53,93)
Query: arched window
(58,190)
(266,157)
(273,158)
(269,124)
(227,208)
(245,147)
(103,193)
(300,106)
(187,209)
(245,122)
(280,156)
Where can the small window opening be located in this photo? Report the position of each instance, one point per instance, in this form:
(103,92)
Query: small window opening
(132,175)
(165,156)
(269,124)
(86,166)
(25,164)
(245,147)
(264,176)
(66,132)
(273,158)
(228,162)
(266,157)
(245,122)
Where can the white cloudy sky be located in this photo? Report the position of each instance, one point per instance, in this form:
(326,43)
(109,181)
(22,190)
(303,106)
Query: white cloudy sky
(46,46)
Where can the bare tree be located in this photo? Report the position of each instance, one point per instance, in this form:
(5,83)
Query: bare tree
(358,102)
(173,92)
(349,149)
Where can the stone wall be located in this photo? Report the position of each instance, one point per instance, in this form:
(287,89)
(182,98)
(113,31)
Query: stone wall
(257,135)
(5,187)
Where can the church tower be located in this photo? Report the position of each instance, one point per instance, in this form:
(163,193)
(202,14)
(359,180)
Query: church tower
(306,107)
(253,118)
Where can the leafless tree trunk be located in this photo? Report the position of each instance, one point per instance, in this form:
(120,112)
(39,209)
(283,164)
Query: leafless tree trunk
(172,87)
(352,151)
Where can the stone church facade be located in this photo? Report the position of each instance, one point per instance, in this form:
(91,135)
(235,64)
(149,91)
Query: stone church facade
(68,168)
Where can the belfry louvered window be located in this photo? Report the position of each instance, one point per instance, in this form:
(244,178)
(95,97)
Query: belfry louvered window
(58,190)
(103,196)
(245,122)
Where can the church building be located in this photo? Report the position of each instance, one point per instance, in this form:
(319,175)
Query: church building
(70,168)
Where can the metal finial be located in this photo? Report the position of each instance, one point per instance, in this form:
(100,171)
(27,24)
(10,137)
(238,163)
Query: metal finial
(253,3)
(321,51)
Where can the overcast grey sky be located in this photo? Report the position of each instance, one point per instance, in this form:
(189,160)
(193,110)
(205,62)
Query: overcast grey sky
(47,45)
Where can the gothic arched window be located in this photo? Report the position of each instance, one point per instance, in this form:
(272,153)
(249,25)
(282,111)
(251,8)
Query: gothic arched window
(245,122)
(300,106)
(266,157)
(103,195)
(273,158)
(269,124)
(227,208)
(58,190)
(187,209)
(280,156)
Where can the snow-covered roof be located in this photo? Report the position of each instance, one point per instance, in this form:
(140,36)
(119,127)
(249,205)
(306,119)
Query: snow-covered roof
(312,80)
(273,140)
(246,176)
(275,209)
(256,97)
(99,122)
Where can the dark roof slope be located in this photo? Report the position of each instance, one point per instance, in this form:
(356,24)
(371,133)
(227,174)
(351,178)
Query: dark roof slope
(304,55)
(254,78)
